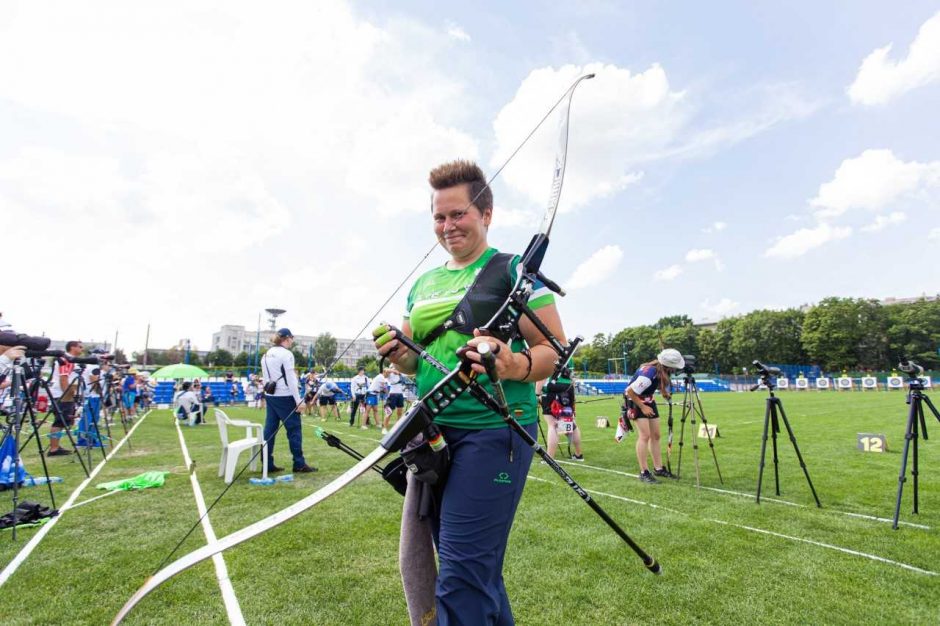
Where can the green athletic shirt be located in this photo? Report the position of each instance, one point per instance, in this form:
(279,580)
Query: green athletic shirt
(432,299)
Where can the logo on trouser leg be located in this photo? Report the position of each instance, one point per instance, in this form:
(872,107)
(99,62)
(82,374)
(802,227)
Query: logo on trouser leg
(502,479)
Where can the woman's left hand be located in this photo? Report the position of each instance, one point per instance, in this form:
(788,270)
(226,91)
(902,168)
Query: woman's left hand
(506,367)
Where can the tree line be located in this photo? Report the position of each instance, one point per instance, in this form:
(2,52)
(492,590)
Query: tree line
(836,334)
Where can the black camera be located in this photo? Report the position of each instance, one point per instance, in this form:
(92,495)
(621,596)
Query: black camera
(689,367)
(32,344)
(766,370)
(912,369)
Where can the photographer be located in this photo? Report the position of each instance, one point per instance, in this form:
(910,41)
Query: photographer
(129,392)
(641,408)
(64,390)
(91,409)
(7,358)
(283,400)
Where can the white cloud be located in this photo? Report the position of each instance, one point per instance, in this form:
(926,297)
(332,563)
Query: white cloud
(255,139)
(934,234)
(720,308)
(881,79)
(510,217)
(668,273)
(719,266)
(873,180)
(715,227)
(805,239)
(456,32)
(596,268)
(881,221)
(696,254)
(618,120)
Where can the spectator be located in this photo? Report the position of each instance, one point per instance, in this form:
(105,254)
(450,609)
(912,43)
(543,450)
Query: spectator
(188,406)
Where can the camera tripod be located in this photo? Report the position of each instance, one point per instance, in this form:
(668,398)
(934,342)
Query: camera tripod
(692,405)
(32,381)
(88,431)
(772,416)
(113,402)
(19,391)
(916,425)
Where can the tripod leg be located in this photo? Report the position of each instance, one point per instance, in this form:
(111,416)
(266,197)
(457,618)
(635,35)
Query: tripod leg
(669,436)
(774,429)
(908,435)
(694,433)
(682,419)
(711,443)
(932,408)
(799,456)
(763,450)
(915,464)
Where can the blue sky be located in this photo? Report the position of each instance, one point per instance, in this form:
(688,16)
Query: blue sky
(227,157)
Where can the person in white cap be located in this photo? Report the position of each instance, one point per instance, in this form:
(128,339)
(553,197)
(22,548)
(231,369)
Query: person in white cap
(641,408)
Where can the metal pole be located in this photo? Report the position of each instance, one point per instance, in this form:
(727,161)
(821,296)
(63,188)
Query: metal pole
(147,343)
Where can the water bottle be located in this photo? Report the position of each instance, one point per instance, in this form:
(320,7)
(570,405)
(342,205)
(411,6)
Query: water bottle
(261,481)
(34,481)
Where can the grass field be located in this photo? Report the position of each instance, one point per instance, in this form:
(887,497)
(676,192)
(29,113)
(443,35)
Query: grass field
(726,559)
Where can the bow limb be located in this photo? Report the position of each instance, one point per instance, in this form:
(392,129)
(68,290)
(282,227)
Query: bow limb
(239,536)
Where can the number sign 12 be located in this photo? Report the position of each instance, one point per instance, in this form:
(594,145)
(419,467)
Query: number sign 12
(872,442)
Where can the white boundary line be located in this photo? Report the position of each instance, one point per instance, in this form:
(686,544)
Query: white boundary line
(232,607)
(104,495)
(863,516)
(873,557)
(763,499)
(13,565)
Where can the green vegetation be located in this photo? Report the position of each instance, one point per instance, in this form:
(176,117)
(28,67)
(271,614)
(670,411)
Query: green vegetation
(836,334)
(337,564)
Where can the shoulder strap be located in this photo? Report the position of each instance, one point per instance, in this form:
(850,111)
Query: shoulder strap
(481,300)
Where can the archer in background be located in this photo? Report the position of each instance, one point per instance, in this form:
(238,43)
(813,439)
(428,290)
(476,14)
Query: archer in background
(641,408)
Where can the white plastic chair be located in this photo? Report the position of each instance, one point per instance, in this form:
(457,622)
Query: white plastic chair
(254,438)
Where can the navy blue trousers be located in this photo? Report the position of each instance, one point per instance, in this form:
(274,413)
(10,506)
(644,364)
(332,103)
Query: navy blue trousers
(487,475)
(278,409)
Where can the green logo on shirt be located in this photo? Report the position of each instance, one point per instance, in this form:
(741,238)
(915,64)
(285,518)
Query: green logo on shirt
(502,479)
